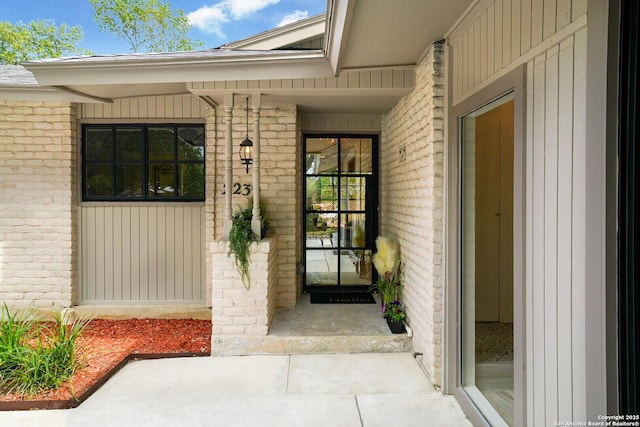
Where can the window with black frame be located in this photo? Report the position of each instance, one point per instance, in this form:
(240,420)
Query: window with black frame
(155,162)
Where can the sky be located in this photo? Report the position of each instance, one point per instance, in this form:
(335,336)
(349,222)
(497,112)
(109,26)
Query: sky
(214,22)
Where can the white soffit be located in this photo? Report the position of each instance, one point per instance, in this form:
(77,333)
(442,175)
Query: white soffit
(119,91)
(18,84)
(382,33)
(46,94)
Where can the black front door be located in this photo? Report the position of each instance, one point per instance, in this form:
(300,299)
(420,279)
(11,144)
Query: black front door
(340,211)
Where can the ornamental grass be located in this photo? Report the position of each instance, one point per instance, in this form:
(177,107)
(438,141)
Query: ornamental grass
(36,356)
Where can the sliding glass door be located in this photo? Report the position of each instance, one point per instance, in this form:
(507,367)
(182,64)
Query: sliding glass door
(487,291)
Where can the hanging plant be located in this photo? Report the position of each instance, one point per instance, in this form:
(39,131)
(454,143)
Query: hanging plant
(240,237)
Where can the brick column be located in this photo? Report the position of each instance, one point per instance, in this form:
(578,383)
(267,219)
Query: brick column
(235,309)
(412,202)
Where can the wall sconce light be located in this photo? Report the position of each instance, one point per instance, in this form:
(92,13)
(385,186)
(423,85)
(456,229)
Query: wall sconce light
(246,146)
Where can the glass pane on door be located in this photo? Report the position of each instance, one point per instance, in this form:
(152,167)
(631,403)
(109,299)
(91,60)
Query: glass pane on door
(338,211)
(355,156)
(321,156)
(353,193)
(322,193)
(353,230)
(322,266)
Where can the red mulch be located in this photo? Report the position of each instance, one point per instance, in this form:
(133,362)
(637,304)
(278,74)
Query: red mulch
(105,343)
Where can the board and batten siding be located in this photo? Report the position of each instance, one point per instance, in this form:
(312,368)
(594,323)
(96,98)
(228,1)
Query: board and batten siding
(148,107)
(398,78)
(550,38)
(143,253)
(496,35)
(555,175)
(366,123)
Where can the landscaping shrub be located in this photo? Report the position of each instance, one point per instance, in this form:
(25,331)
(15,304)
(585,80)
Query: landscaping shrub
(36,356)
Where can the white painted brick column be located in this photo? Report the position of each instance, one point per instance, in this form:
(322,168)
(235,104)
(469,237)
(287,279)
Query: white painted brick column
(235,309)
(412,202)
(280,187)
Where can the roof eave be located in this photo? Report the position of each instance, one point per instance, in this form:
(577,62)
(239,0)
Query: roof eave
(338,24)
(156,69)
(282,36)
(46,94)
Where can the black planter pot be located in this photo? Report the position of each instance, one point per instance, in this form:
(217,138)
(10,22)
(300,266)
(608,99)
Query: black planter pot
(395,327)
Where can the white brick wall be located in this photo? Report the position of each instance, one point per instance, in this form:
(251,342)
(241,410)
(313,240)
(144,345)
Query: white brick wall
(412,203)
(280,170)
(235,309)
(37,203)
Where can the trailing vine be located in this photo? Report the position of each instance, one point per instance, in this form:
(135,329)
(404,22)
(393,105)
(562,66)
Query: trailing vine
(240,237)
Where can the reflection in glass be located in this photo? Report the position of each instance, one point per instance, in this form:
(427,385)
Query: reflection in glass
(161,180)
(122,162)
(190,180)
(128,181)
(99,145)
(160,144)
(353,192)
(356,155)
(98,179)
(365,267)
(352,230)
(129,144)
(322,156)
(359,237)
(191,143)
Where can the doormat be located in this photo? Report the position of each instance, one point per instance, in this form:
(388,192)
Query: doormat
(342,298)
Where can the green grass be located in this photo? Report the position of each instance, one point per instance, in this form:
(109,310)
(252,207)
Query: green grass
(36,356)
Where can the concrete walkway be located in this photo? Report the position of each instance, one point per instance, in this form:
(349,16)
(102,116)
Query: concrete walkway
(351,390)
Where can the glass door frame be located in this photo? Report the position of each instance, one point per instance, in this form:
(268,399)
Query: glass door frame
(478,411)
(371,210)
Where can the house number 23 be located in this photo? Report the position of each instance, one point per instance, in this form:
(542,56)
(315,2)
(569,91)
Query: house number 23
(241,189)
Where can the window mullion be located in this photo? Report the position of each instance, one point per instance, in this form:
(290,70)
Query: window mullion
(114,168)
(145,163)
(175,162)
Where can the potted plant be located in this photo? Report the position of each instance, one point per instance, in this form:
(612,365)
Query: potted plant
(394,314)
(386,261)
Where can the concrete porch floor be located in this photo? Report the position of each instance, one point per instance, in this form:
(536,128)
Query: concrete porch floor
(319,328)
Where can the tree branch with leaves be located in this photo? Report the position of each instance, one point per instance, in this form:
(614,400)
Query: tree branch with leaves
(38,39)
(146,25)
